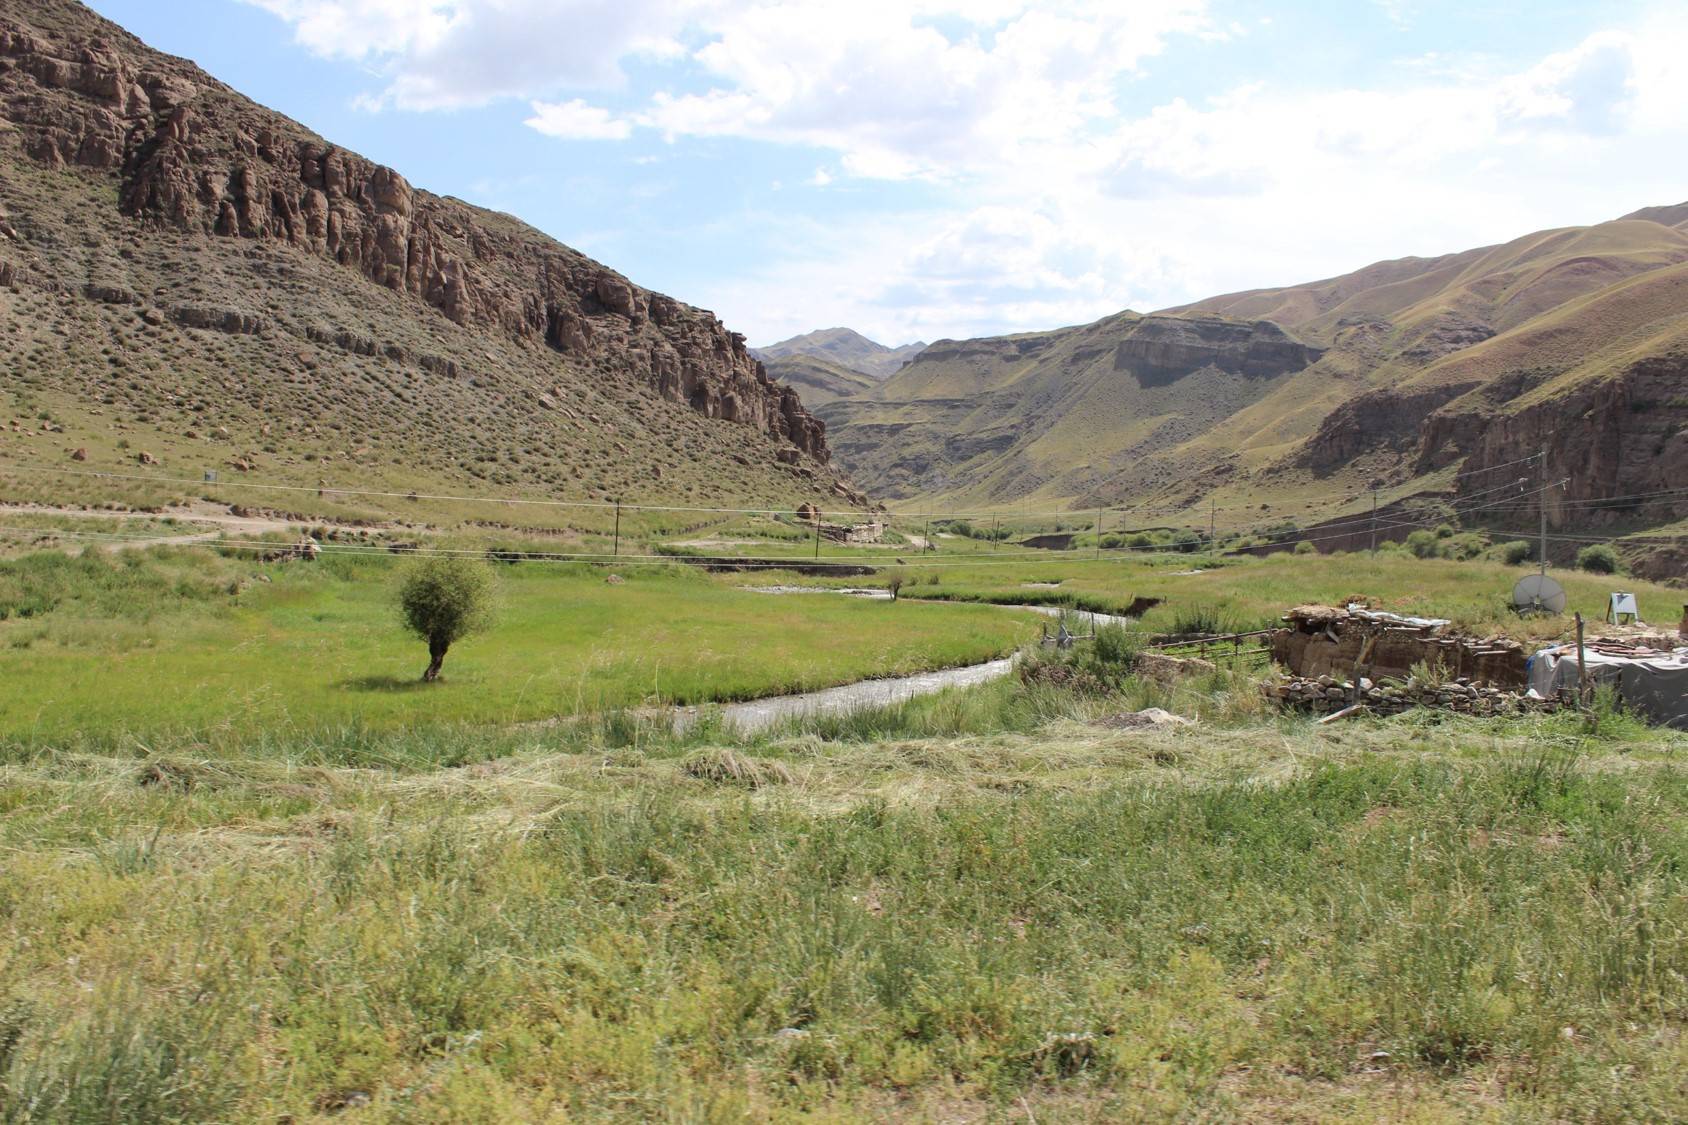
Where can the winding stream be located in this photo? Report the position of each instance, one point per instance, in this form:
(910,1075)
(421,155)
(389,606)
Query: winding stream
(758,715)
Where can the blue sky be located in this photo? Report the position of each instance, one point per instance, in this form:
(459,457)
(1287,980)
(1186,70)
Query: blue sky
(933,168)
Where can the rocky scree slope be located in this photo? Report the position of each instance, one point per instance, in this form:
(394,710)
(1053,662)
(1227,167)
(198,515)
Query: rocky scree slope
(207,275)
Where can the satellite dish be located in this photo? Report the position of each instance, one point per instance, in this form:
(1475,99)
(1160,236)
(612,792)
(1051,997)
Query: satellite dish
(1537,593)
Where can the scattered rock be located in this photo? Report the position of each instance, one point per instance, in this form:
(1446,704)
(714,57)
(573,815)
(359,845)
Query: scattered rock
(614,580)
(146,458)
(1147,719)
(79,454)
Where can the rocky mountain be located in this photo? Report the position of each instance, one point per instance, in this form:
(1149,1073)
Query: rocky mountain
(1059,414)
(846,348)
(1401,375)
(184,269)
(818,380)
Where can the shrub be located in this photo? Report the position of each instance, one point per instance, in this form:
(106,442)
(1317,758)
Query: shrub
(1445,531)
(1186,541)
(1116,648)
(442,601)
(1515,552)
(1305,548)
(1465,546)
(1200,621)
(1422,544)
(1138,541)
(1111,542)
(1598,558)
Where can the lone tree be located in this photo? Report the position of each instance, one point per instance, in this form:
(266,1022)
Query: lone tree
(444,600)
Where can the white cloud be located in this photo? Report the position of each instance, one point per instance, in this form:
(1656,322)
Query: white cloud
(897,88)
(577,121)
(1060,195)
(445,54)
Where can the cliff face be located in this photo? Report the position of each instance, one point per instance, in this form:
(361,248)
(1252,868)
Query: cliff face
(189,155)
(1625,436)
(1163,349)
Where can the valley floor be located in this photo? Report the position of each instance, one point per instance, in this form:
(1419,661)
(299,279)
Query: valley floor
(252,873)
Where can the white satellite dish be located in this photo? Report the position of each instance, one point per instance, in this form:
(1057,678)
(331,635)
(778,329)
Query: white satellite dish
(1537,593)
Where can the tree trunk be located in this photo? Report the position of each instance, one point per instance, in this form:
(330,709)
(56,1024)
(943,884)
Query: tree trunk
(436,657)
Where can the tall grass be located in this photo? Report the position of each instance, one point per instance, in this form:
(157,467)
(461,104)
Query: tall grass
(783,930)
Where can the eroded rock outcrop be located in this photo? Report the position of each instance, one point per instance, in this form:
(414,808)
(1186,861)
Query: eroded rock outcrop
(1163,349)
(1623,437)
(192,155)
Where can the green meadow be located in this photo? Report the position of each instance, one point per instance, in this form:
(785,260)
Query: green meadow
(256,871)
(184,640)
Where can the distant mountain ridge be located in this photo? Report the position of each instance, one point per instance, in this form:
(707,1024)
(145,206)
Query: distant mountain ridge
(1573,340)
(845,347)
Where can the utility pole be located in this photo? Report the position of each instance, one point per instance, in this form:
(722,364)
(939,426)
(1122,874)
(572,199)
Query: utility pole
(1212,515)
(1098,533)
(926,537)
(993,535)
(1374,521)
(817,534)
(617,550)
(1541,504)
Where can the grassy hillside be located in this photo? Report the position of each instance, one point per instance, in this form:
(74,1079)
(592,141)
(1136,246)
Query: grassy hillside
(190,282)
(819,380)
(1421,376)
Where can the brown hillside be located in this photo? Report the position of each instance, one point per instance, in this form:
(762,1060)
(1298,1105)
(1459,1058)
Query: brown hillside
(188,273)
(845,347)
(1573,339)
(818,380)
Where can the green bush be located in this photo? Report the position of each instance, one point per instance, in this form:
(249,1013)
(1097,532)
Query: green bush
(1423,544)
(1598,558)
(1138,541)
(1515,552)
(443,600)
(1305,548)
(1445,531)
(1111,542)
(1468,545)
(1186,541)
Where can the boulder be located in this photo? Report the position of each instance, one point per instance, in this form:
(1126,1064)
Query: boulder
(1148,719)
